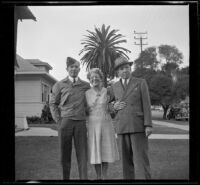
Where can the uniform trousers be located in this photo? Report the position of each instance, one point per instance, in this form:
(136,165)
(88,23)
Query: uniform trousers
(135,159)
(73,129)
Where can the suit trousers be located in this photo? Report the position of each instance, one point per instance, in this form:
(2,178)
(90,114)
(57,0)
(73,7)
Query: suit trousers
(135,159)
(68,130)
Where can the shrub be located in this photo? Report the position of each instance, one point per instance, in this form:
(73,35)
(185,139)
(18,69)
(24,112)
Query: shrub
(33,120)
(46,116)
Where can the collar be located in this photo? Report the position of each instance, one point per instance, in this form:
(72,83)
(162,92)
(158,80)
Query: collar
(123,80)
(71,79)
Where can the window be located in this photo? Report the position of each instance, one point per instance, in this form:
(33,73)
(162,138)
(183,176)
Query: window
(45,93)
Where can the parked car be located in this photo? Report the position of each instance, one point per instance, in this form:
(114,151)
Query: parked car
(156,108)
(183,114)
(178,113)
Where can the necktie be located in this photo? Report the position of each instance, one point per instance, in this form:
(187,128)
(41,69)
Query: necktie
(125,84)
(74,80)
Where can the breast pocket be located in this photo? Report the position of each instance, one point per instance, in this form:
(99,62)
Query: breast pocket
(134,96)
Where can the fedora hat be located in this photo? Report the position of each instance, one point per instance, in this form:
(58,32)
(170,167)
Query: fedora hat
(121,61)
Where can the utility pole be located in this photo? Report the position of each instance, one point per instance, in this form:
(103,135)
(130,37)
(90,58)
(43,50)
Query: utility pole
(140,38)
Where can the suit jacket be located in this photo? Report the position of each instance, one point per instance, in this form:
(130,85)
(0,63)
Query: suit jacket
(137,113)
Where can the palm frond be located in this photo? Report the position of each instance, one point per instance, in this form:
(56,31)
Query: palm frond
(117,42)
(103,30)
(107,29)
(91,39)
(114,38)
(89,43)
(112,33)
(92,33)
(121,48)
(99,35)
(101,48)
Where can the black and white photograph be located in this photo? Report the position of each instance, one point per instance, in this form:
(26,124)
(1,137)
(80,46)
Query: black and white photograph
(101,92)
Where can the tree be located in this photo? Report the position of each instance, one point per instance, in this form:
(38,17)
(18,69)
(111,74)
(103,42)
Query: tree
(170,53)
(147,59)
(165,91)
(181,87)
(170,68)
(185,70)
(161,91)
(101,48)
(172,57)
(168,85)
(144,73)
(146,64)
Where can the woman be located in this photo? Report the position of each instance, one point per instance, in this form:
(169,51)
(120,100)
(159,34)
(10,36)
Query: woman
(102,144)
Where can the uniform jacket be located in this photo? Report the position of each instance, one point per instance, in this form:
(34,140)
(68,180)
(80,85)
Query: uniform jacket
(68,99)
(137,113)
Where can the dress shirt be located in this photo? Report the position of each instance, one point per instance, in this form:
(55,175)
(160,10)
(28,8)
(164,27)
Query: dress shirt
(72,79)
(123,81)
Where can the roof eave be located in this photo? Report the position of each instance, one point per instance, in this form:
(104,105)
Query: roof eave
(23,12)
(42,64)
(35,73)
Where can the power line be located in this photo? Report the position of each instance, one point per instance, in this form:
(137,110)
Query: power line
(140,38)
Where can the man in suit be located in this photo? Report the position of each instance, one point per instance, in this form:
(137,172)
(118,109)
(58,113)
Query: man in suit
(67,104)
(133,120)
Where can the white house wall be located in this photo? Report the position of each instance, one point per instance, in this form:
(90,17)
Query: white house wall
(27,98)
(27,91)
(44,80)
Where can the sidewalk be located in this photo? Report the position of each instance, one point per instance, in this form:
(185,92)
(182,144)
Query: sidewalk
(162,123)
(40,131)
(37,131)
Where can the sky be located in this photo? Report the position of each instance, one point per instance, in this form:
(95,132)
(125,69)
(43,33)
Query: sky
(59,30)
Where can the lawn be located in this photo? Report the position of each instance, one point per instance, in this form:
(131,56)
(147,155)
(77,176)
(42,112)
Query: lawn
(159,129)
(37,158)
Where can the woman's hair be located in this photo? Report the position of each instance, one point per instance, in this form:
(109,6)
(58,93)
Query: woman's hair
(95,70)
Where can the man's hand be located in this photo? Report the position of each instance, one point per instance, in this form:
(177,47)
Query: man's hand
(118,105)
(148,131)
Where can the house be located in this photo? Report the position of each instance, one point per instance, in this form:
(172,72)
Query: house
(32,87)
(21,13)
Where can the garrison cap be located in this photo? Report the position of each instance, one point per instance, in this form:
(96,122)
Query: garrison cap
(70,61)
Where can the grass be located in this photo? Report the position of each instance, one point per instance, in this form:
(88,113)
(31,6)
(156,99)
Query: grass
(158,129)
(53,126)
(37,158)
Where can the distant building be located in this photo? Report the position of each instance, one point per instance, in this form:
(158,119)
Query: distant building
(33,84)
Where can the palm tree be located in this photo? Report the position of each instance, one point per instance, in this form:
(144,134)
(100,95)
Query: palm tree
(101,49)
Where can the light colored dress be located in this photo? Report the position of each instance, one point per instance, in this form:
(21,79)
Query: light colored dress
(102,144)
